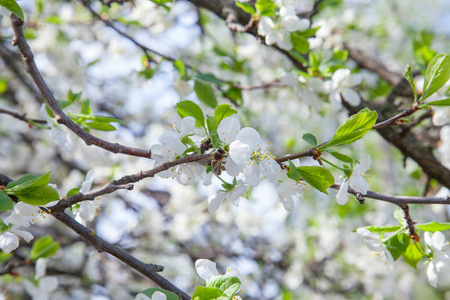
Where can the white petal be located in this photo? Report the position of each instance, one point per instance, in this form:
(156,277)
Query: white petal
(428,239)
(284,41)
(291,23)
(23,234)
(240,152)
(206,269)
(232,168)
(48,283)
(141,297)
(359,184)
(284,12)
(363,166)
(86,185)
(432,275)
(438,240)
(339,76)
(88,210)
(288,203)
(228,129)
(187,126)
(270,168)
(185,175)
(352,80)
(237,192)
(272,37)
(215,201)
(8,242)
(251,174)
(335,100)
(250,137)
(265,26)
(351,96)
(41,266)
(158,296)
(342,195)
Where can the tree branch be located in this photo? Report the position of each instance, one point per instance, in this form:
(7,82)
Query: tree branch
(21,117)
(60,116)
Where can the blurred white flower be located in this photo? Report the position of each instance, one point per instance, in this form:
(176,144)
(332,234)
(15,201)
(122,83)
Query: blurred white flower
(288,190)
(342,82)
(374,243)
(248,152)
(280,32)
(60,133)
(356,181)
(88,209)
(234,194)
(42,285)
(155,296)
(441,256)
(207,270)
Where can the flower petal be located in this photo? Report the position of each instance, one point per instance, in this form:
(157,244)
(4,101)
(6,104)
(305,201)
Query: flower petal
(158,296)
(250,137)
(342,195)
(251,174)
(206,269)
(351,96)
(228,129)
(48,283)
(215,201)
(432,275)
(265,26)
(240,152)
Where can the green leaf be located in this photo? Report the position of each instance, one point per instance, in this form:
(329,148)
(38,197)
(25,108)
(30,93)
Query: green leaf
(13,7)
(433,226)
(27,183)
(4,257)
(209,293)
(208,77)
(103,126)
(212,124)
(318,177)
(86,107)
(229,285)
(436,75)
(5,202)
(205,93)
(149,293)
(266,7)
(293,172)
(300,43)
(341,157)
(341,55)
(381,229)
(44,246)
(234,94)
(181,68)
(223,111)
(72,192)
(190,109)
(353,129)
(413,254)
(397,244)
(246,7)
(310,138)
(41,196)
(410,78)
(443,102)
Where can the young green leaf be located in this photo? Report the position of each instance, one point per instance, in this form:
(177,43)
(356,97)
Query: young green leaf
(209,293)
(413,254)
(44,246)
(181,68)
(212,124)
(190,109)
(433,226)
(410,78)
(440,103)
(381,229)
(223,111)
(72,192)
(293,172)
(341,157)
(86,107)
(300,43)
(205,93)
(310,138)
(397,244)
(13,7)
(318,177)
(27,184)
(208,77)
(149,293)
(246,7)
(103,126)
(353,129)
(265,7)
(21,180)
(41,196)
(436,75)
(5,202)
(234,94)
(229,285)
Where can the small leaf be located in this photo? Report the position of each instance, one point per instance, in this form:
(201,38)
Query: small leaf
(208,77)
(397,244)
(300,43)
(341,55)
(212,124)
(149,293)
(5,202)
(41,196)
(190,109)
(353,129)
(234,94)
(410,78)
(86,107)
(381,229)
(440,103)
(266,7)
(223,111)
(72,192)
(318,177)
(436,75)
(229,285)
(433,226)
(27,184)
(181,68)
(246,7)
(413,254)
(13,7)
(293,172)
(103,126)
(205,93)
(309,138)
(341,157)
(209,293)
(44,246)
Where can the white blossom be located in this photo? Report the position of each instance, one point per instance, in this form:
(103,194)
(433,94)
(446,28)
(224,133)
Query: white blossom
(156,296)
(88,209)
(374,243)
(356,181)
(233,195)
(60,133)
(288,190)
(207,270)
(441,256)
(280,32)
(342,82)
(248,152)
(42,285)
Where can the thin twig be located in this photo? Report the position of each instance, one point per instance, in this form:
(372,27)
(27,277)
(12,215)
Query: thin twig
(60,116)
(21,117)
(260,86)
(410,222)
